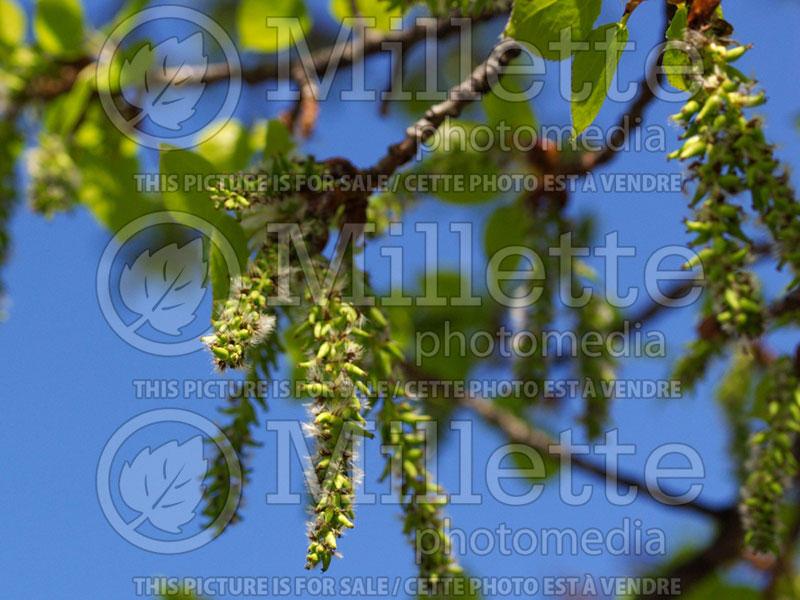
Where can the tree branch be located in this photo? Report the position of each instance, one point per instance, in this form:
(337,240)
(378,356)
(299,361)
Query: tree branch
(518,431)
(344,53)
(468,91)
(724,549)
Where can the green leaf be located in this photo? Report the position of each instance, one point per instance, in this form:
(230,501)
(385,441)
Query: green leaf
(677,26)
(381,11)
(507,226)
(252,20)
(674,58)
(128,9)
(108,165)
(456,171)
(504,112)
(539,23)
(64,113)
(435,352)
(12,23)
(278,140)
(595,67)
(185,164)
(58,25)
(231,149)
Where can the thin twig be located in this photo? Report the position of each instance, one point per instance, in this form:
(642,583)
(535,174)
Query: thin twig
(306,109)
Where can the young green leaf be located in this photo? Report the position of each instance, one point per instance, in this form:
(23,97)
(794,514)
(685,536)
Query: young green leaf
(194,200)
(278,140)
(58,25)
(502,110)
(507,226)
(231,149)
(540,23)
(254,33)
(379,10)
(676,61)
(592,73)
(12,23)
(64,113)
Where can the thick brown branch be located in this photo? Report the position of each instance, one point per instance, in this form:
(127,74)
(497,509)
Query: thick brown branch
(468,91)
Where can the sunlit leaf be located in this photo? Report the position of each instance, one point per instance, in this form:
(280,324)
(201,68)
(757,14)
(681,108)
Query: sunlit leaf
(253,31)
(58,25)
(192,199)
(12,23)
(378,10)
(674,58)
(540,23)
(593,71)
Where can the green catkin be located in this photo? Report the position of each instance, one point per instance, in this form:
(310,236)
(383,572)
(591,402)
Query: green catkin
(772,464)
(54,177)
(333,374)
(220,483)
(421,499)
(597,371)
(10,146)
(227,199)
(532,364)
(736,144)
(260,358)
(595,366)
(244,320)
(693,364)
(698,355)
(733,394)
(731,157)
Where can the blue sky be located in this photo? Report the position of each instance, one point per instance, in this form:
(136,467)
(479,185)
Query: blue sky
(67,381)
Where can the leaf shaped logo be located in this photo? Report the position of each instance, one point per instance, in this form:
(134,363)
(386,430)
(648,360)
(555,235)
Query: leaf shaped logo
(170,99)
(165,485)
(165,288)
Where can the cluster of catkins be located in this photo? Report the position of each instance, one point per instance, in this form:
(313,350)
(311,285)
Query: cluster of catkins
(266,183)
(772,464)
(731,156)
(350,355)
